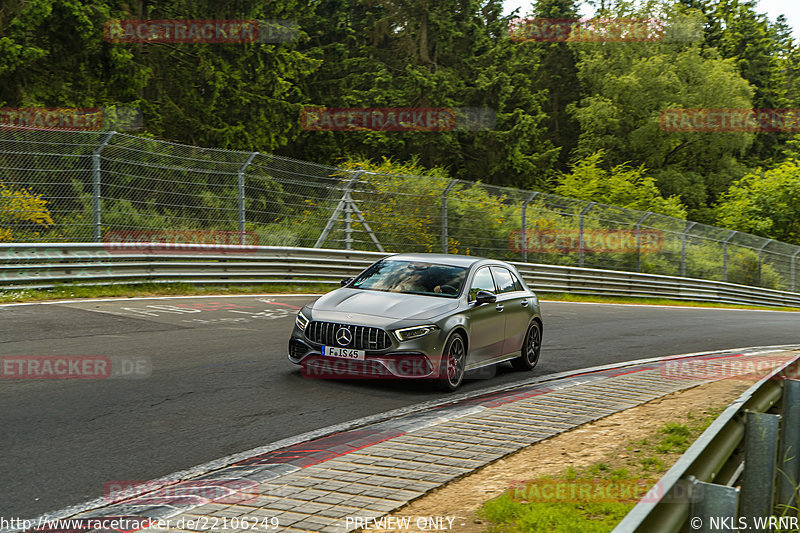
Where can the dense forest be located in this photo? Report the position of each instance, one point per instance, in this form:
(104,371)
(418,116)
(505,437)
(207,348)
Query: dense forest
(580,118)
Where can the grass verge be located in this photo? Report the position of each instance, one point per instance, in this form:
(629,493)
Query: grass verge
(156,289)
(187,289)
(595,498)
(567,297)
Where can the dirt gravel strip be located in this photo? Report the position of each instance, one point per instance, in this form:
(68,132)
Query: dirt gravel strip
(348,480)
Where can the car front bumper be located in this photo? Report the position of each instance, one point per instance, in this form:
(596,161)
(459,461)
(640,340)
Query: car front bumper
(414,359)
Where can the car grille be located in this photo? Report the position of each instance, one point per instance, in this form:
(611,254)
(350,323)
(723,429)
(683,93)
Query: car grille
(361,337)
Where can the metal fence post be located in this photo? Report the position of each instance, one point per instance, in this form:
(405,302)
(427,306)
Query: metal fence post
(794,271)
(725,255)
(789,459)
(760,260)
(639,241)
(240,180)
(580,230)
(683,247)
(348,226)
(525,226)
(96,203)
(445,246)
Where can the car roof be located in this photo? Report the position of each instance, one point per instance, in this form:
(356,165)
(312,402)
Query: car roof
(444,259)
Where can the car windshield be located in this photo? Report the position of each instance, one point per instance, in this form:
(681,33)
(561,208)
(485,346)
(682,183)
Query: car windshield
(413,277)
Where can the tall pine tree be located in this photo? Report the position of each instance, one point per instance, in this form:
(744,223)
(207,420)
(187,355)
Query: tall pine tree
(558,76)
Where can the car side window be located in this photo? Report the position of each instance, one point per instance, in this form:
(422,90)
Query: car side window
(481,282)
(517,283)
(505,280)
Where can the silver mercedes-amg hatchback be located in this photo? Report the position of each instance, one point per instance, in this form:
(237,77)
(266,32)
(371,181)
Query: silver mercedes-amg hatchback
(420,316)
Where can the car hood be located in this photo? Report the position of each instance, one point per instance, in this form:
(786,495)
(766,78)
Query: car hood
(384,304)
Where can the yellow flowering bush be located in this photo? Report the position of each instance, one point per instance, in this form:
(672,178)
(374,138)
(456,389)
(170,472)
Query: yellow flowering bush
(21,212)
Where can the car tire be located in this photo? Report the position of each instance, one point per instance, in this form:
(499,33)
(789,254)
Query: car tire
(453,362)
(531,348)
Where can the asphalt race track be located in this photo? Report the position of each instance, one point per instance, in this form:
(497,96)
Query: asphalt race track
(216,380)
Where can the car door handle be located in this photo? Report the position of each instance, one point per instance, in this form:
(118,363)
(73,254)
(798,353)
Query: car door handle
(499,307)
(524,303)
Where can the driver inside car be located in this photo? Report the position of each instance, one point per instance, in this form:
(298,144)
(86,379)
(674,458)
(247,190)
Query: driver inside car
(450,285)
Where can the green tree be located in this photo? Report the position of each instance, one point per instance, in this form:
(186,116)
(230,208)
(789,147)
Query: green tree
(54,53)
(402,202)
(764,55)
(628,86)
(238,96)
(417,53)
(623,185)
(766,203)
(559,79)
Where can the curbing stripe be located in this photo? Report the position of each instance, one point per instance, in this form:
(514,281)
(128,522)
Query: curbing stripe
(447,411)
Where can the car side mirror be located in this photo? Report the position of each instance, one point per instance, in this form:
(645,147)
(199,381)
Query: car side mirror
(345,281)
(485,297)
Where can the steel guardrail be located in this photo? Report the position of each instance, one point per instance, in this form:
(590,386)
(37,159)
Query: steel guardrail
(732,451)
(43,266)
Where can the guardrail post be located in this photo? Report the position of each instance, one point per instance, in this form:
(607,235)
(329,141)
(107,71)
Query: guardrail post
(96,203)
(789,459)
(715,457)
(725,255)
(525,226)
(639,241)
(760,448)
(760,254)
(580,234)
(240,180)
(445,243)
(683,247)
(794,271)
(710,500)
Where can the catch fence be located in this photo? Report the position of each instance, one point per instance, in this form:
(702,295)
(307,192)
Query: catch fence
(100,186)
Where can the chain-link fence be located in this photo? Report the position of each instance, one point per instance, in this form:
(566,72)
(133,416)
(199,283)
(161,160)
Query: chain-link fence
(80,186)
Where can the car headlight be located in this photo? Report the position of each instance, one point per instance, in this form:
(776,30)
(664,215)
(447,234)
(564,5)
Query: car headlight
(301,321)
(406,334)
